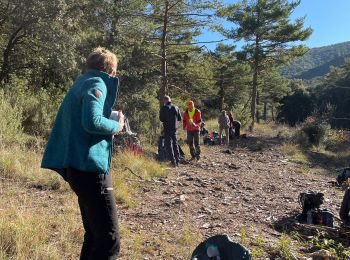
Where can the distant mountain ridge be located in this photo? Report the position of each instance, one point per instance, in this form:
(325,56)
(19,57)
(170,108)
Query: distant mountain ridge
(318,61)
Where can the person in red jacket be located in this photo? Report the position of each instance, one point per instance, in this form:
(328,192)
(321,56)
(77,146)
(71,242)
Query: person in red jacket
(192,120)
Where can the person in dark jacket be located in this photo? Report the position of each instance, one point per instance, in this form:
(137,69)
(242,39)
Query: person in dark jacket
(80,149)
(345,208)
(170,115)
(192,120)
(235,126)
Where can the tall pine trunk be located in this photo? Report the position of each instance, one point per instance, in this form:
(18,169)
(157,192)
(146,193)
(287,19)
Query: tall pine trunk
(164,66)
(222,90)
(255,83)
(265,112)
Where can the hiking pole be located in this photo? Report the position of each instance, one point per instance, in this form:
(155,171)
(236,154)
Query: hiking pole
(138,176)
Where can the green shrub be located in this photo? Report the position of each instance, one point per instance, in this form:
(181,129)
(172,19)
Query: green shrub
(242,114)
(334,140)
(314,130)
(295,108)
(10,121)
(38,106)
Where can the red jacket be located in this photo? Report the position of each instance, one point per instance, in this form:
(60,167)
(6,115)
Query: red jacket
(197,120)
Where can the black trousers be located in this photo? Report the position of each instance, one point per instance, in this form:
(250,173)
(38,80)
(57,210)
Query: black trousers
(237,126)
(172,146)
(99,214)
(193,143)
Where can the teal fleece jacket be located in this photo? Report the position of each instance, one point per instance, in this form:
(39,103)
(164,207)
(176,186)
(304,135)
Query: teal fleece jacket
(81,137)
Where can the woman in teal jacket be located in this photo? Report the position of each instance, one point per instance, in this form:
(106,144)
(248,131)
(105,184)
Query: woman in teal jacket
(80,149)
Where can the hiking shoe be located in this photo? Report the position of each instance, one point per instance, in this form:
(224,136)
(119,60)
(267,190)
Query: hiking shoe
(198,158)
(175,164)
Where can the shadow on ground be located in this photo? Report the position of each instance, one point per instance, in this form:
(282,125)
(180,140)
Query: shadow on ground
(256,143)
(329,161)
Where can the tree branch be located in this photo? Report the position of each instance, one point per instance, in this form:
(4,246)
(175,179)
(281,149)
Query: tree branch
(193,43)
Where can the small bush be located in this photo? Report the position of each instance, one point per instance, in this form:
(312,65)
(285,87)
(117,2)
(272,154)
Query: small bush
(294,152)
(10,121)
(243,115)
(314,130)
(284,248)
(38,106)
(334,140)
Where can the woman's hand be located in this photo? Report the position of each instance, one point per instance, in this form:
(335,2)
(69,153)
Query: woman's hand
(121,120)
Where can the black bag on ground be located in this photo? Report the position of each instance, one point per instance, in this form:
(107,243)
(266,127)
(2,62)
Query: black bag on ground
(231,132)
(310,200)
(220,247)
(343,176)
(163,153)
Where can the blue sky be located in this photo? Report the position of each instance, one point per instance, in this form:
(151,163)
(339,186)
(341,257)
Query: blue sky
(330,20)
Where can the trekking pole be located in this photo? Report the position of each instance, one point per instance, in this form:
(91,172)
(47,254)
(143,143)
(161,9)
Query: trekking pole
(138,176)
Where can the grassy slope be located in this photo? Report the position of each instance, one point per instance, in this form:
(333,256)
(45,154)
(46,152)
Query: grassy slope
(40,219)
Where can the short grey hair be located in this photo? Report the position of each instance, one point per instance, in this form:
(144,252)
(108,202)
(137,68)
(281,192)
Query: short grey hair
(102,59)
(167,98)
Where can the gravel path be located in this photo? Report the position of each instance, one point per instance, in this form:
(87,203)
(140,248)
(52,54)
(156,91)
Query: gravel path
(249,191)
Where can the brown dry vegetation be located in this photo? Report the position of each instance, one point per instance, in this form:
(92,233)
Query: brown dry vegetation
(165,215)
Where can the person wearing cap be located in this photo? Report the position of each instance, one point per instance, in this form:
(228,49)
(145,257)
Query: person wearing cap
(192,120)
(80,149)
(170,115)
(224,125)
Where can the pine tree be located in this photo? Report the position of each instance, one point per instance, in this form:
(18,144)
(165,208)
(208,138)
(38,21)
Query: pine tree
(265,27)
(231,77)
(179,23)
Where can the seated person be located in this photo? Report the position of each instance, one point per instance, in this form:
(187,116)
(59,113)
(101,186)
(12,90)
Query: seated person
(203,130)
(235,126)
(345,208)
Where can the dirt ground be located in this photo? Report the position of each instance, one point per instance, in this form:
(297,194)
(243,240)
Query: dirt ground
(245,193)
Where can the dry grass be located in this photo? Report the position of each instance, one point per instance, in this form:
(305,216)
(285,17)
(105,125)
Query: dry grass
(277,130)
(21,164)
(177,244)
(125,169)
(294,152)
(36,224)
(39,215)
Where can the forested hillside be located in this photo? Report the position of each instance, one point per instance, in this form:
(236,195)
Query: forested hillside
(318,61)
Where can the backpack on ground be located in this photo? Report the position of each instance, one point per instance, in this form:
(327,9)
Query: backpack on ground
(343,176)
(220,247)
(323,217)
(232,132)
(310,201)
(162,155)
(127,140)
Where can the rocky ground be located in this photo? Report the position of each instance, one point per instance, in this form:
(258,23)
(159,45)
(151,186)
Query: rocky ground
(244,193)
(248,193)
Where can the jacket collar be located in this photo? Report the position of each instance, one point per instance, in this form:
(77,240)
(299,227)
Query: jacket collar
(195,110)
(112,84)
